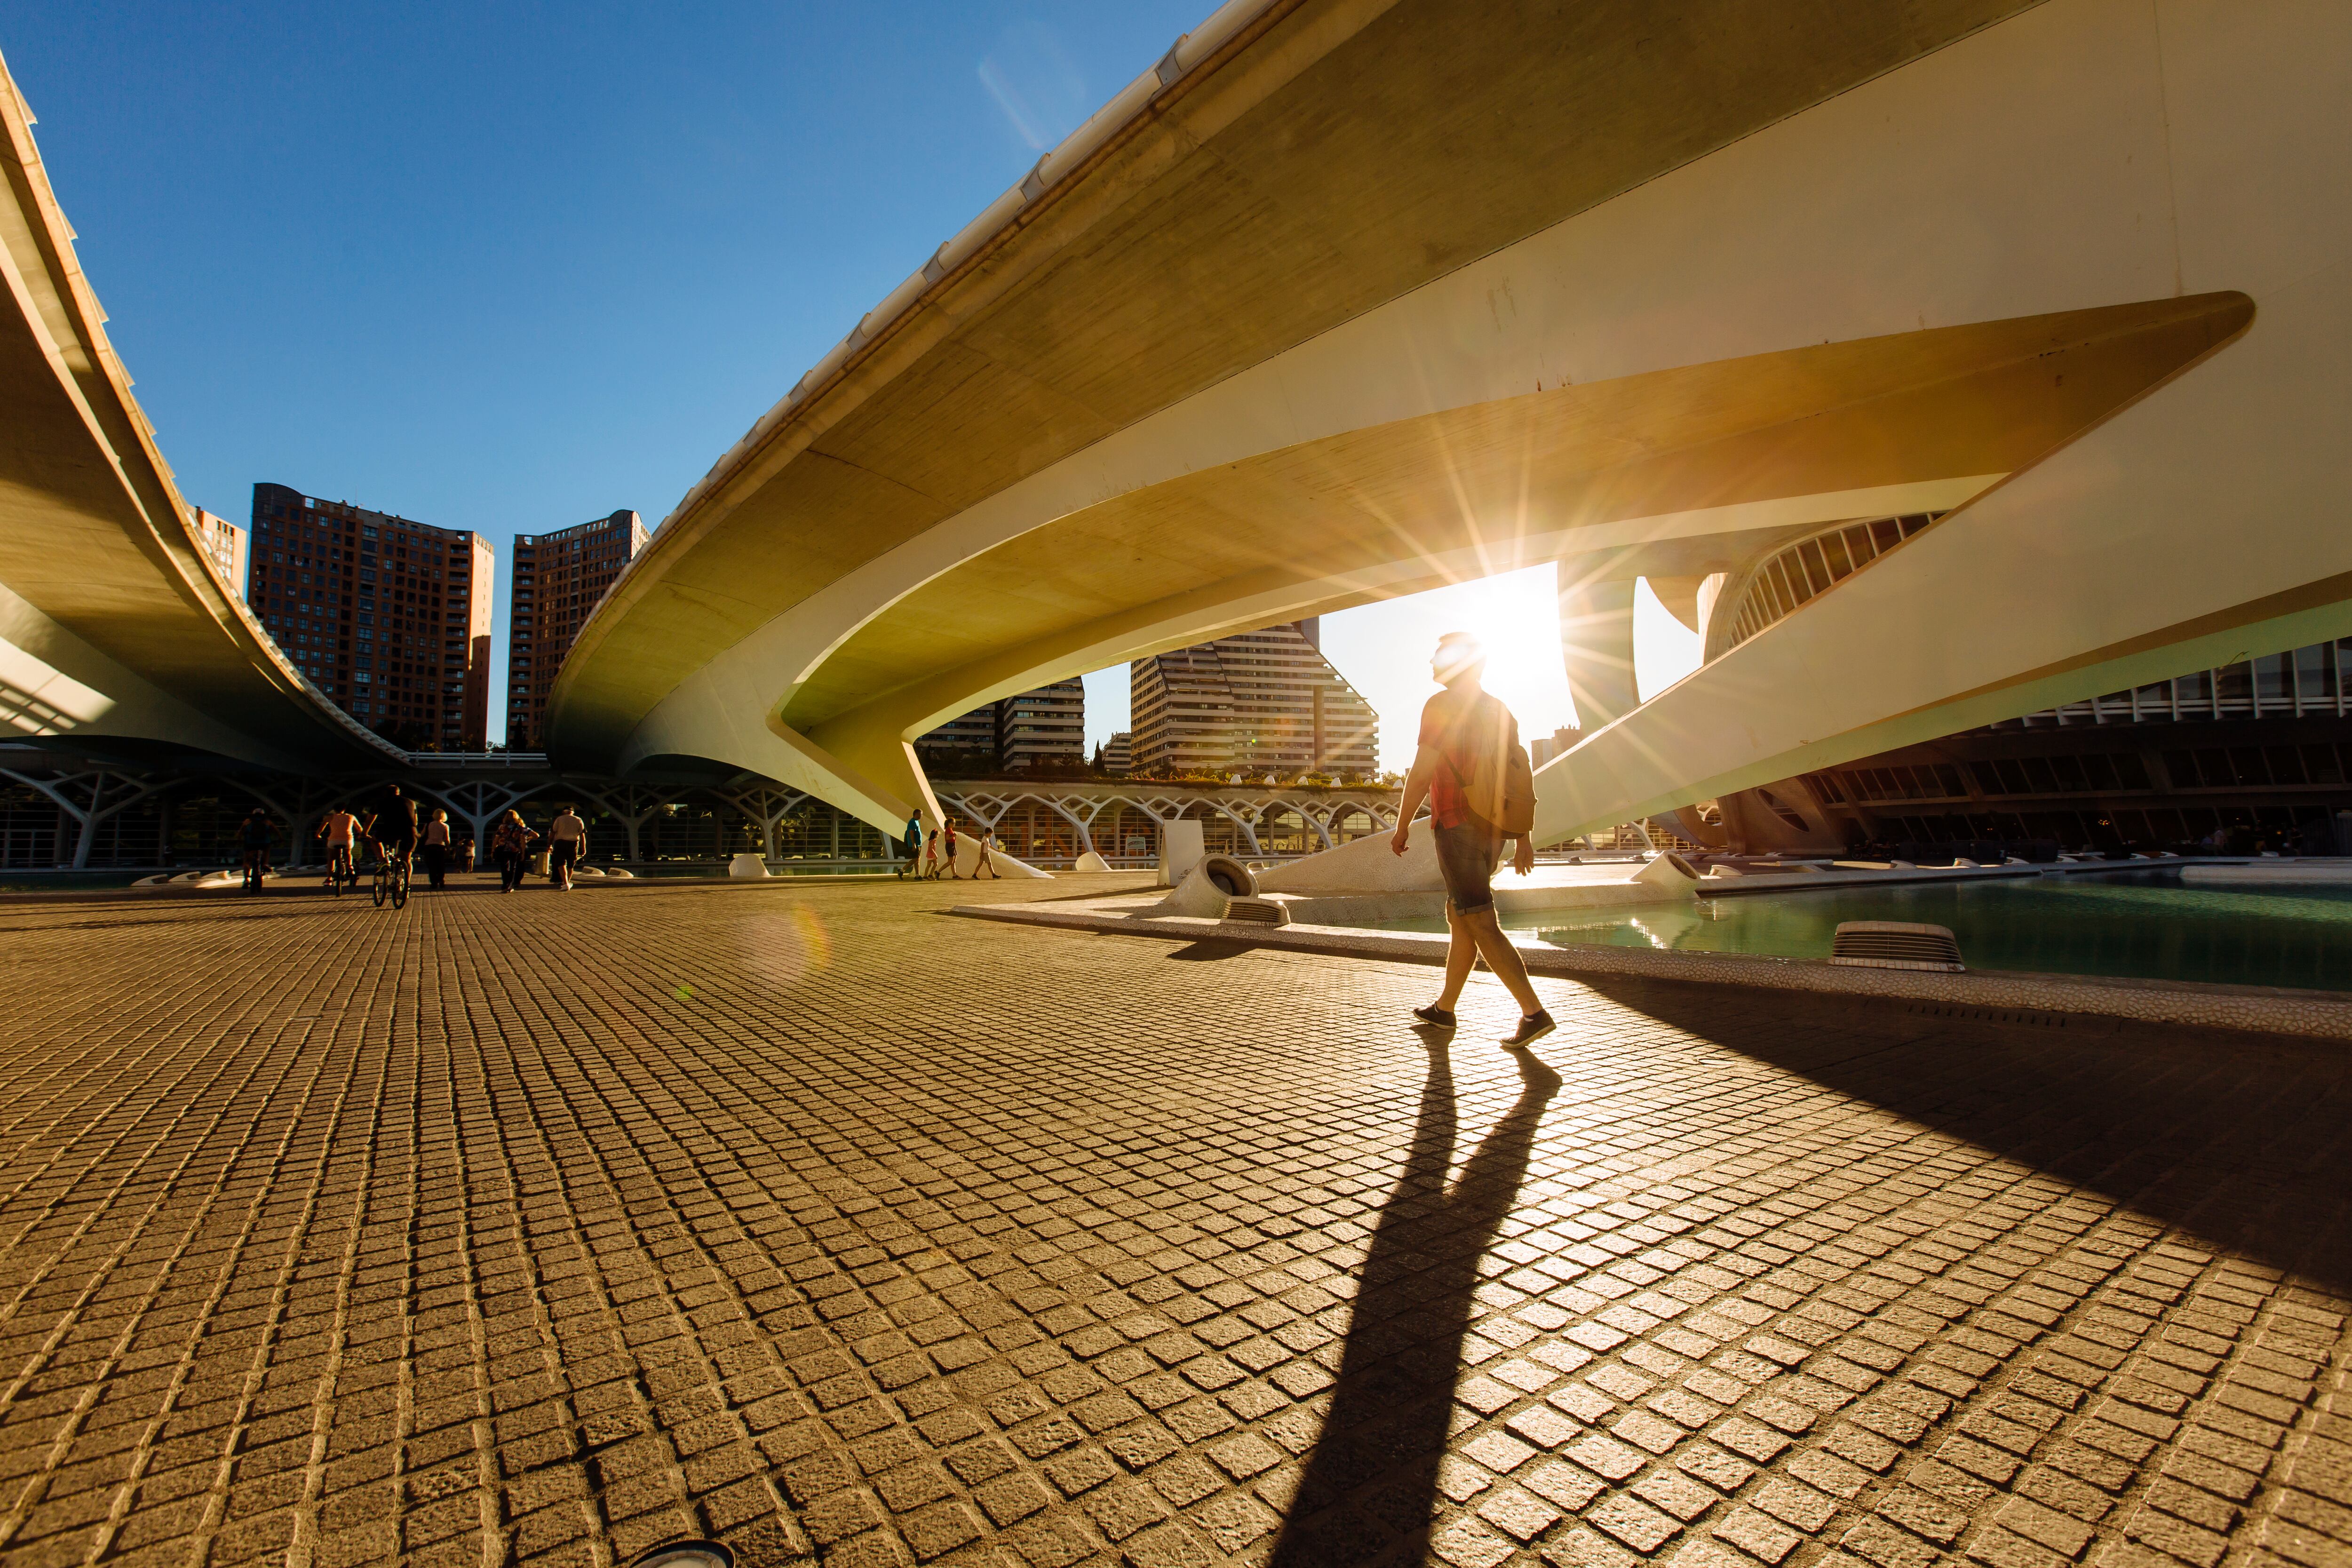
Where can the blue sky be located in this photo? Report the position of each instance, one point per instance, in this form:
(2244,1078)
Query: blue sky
(510,267)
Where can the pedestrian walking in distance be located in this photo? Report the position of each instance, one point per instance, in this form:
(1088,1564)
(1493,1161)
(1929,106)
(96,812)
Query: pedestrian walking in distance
(436,849)
(948,851)
(253,839)
(509,843)
(1480,787)
(913,842)
(986,843)
(932,857)
(567,842)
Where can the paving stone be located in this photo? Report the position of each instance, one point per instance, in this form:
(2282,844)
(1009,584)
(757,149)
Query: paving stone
(1467,1544)
(1670,1491)
(1716,1467)
(1518,1514)
(1542,1427)
(1576,1547)
(1566,1486)
(1760,1443)
(1756,1535)
(721,1235)
(1795,1505)
(1635,1523)
(1609,1459)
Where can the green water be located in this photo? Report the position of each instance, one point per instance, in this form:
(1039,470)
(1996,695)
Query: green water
(2143,925)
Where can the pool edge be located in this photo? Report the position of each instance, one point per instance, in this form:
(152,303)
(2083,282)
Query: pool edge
(2248,1009)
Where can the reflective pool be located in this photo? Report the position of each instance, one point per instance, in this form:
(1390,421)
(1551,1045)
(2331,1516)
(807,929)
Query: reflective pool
(2144,925)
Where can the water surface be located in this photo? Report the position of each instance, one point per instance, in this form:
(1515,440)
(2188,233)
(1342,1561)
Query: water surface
(2144,925)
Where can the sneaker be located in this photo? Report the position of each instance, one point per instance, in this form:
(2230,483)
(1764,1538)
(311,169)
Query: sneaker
(1434,1015)
(1532,1027)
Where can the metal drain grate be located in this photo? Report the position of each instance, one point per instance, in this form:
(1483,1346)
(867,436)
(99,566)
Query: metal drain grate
(1257,911)
(1896,945)
(687,1554)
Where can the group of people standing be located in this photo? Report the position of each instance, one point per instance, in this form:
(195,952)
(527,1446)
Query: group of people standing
(929,855)
(392,829)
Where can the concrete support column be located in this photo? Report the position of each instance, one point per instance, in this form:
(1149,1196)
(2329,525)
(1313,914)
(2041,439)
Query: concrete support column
(87,838)
(1596,644)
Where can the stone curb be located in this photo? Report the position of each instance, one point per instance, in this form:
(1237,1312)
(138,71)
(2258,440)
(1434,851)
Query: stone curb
(2253,1009)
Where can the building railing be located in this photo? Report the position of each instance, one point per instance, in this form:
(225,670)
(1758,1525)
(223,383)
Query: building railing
(2301,682)
(431,760)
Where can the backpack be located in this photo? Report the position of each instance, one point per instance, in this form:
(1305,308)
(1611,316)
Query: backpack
(1501,786)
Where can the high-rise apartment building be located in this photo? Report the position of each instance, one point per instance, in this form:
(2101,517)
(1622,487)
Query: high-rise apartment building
(1042,728)
(1257,703)
(972,736)
(1119,754)
(390,618)
(224,546)
(557,579)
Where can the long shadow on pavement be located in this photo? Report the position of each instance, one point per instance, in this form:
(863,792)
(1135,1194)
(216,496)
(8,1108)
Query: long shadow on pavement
(1374,1473)
(2245,1140)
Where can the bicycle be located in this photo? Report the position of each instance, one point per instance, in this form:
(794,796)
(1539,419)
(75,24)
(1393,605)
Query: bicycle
(339,870)
(391,879)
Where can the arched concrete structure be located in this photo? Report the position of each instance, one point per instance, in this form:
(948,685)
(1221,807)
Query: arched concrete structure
(1375,296)
(114,626)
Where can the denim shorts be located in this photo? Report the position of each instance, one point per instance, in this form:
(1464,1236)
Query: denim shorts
(1467,857)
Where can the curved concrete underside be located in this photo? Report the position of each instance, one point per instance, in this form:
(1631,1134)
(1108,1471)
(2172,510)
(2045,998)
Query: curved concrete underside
(1388,300)
(114,626)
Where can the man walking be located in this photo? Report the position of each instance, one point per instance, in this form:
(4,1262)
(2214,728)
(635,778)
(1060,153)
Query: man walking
(567,841)
(913,843)
(253,838)
(1468,768)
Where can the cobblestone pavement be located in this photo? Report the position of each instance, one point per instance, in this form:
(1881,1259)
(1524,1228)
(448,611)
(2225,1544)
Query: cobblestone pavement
(549,1228)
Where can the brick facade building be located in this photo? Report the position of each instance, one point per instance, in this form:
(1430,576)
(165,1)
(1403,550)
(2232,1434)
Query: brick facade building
(389,618)
(558,578)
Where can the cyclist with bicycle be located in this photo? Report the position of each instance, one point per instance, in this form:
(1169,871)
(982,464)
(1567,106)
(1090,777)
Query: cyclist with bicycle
(393,830)
(340,830)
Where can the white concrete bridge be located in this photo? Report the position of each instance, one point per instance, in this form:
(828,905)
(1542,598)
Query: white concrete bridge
(116,630)
(1348,299)
(1345,298)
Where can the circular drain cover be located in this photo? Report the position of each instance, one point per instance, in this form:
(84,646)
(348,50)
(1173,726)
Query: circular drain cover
(688,1554)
